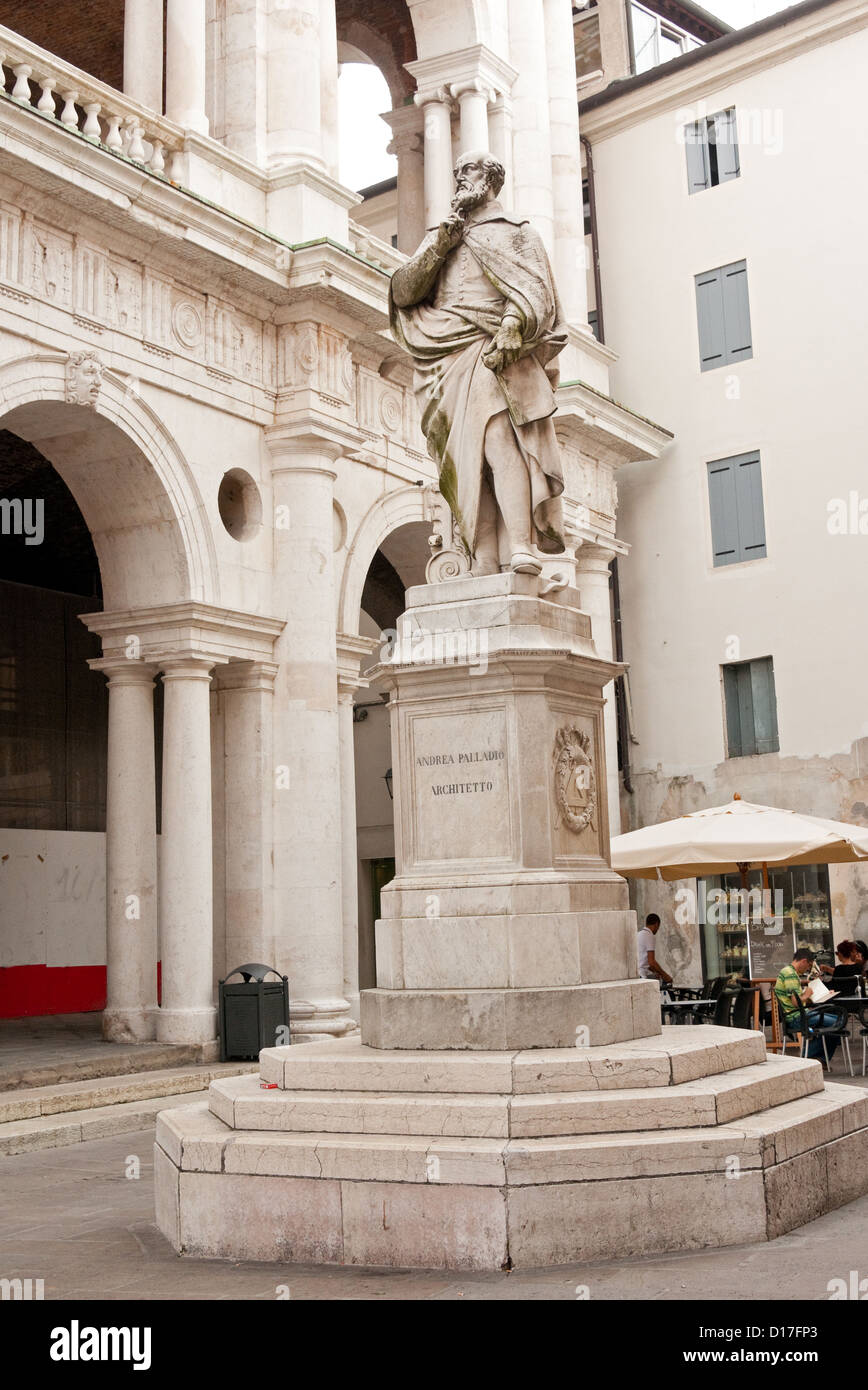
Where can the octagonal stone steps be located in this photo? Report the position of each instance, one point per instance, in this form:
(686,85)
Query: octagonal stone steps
(676,1055)
(478,1203)
(198,1141)
(241,1103)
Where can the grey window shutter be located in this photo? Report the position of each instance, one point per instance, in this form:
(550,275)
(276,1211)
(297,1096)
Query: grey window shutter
(747,474)
(733,720)
(698,168)
(726,142)
(723,508)
(765,717)
(710,316)
(736,312)
(745,708)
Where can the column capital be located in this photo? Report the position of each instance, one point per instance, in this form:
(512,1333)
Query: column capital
(187,668)
(406,123)
(125,672)
(472,86)
(596,552)
(248,675)
(465,65)
(291,445)
(351,650)
(439,96)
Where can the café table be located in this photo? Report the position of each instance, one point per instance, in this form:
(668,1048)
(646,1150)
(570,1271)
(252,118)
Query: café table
(682,1008)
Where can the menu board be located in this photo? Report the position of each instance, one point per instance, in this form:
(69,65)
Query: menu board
(771,947)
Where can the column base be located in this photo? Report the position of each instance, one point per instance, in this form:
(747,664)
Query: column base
(320,1018)
(129,1025)
(186,1026)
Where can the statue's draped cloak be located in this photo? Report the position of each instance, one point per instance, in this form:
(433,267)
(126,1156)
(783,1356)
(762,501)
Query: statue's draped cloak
(458,394)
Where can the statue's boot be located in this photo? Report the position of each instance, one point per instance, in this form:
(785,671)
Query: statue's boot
(523,562)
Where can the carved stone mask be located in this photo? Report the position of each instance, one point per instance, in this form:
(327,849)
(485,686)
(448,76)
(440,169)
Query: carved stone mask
(83,378)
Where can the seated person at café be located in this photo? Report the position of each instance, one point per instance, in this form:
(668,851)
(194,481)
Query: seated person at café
(649,966)
(860,957)
(787,986)
(847,968)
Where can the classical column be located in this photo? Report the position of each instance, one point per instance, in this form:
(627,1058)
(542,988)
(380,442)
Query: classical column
(308,918)
(187,1013)
(351,649)
(439,183)
(131,854)
(295,85)
(472,98)
(592,581)
(185,63)
(143,52)
(531,138)
(569,239)
(247,697)
(329,86)
(407,145)
(500,143)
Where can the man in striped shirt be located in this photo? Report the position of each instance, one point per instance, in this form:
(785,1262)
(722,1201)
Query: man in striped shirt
(787,986)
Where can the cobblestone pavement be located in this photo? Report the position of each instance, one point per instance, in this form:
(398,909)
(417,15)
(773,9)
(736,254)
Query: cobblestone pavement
(73,1218)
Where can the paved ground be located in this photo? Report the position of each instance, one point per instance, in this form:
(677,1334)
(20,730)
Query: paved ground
(71,1217)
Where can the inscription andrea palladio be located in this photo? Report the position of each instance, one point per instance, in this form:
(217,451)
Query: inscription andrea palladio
(463,760)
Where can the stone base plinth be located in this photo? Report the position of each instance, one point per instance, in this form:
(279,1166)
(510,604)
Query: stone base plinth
(494,1019)
(488,1160)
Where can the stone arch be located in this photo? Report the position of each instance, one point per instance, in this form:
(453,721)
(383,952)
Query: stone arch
(128,476)
(444,28)
(396,509)
(387,51)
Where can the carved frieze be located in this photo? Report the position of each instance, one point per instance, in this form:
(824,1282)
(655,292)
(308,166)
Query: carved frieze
(47,270)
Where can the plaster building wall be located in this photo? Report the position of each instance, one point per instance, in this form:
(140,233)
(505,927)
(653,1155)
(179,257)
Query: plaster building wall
(797,400)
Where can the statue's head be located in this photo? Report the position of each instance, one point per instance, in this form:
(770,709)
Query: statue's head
(479,177)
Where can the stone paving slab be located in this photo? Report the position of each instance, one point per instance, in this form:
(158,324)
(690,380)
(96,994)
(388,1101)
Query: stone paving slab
(71,1217)
(28,1103)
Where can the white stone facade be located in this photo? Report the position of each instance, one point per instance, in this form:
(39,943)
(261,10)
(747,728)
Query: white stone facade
(194,334)
(796,400)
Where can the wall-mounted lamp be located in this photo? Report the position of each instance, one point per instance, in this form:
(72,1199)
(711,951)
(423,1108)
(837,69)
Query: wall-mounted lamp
(388,781)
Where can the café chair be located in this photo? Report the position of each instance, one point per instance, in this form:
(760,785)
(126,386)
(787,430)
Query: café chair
(723,1008)
(839,1030)
(742,1009)
(863,1032)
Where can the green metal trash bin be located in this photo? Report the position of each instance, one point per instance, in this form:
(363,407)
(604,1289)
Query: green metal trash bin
(251,1012)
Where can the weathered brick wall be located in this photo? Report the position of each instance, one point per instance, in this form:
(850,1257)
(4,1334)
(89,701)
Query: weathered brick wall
(88,33)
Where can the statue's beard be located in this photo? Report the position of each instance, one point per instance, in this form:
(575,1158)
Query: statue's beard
(467,200)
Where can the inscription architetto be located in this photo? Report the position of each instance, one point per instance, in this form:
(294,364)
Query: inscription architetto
(461,801)
(463,762)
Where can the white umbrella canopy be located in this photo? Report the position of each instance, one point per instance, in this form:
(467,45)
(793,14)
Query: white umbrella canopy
(734,837)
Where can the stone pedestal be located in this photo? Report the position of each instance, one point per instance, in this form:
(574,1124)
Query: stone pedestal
(513,1099)
(505,926)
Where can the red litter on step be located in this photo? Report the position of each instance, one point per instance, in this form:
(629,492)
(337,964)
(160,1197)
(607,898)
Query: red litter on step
(268,1085)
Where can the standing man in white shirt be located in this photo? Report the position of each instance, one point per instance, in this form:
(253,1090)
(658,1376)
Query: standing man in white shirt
(649,969)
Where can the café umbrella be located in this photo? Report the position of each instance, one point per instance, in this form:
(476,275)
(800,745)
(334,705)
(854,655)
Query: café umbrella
(735,838)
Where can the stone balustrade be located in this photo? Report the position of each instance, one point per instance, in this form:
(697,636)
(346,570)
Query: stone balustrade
(63,93)
(372,249)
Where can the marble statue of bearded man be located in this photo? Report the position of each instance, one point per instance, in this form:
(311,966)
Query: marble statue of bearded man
(477,309)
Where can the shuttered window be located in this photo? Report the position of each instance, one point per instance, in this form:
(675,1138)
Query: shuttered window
(751,708)
(735,501)
(723,316)
(712,151)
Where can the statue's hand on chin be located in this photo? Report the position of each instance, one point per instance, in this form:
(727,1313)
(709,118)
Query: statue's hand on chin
(450,232)
(505,348)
